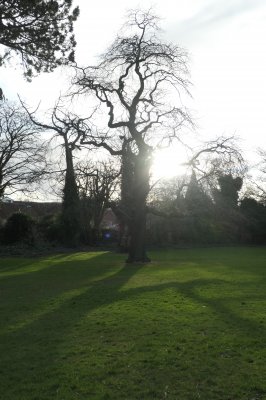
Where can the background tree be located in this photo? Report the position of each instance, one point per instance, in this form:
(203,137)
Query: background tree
(183,208)
(228,193)
(132,82)
(97,184)
(215,158)
(196,199)
(39,31)
(68,127)
(166,206)
(254,213)
(229,219)
(19,227)
(257,183)
(220,168)
(22,154)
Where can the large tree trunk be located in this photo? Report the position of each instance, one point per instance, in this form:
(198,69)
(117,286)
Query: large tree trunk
(124,209)
(137,244)
(137,224)
(70,216)
(2,189)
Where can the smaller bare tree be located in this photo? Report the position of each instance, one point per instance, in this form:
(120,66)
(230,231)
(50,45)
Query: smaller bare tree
(220,156)
(258,184)
(97,184)
(69,128)
(22,153)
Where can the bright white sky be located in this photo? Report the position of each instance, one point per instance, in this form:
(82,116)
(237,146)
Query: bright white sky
(227,44)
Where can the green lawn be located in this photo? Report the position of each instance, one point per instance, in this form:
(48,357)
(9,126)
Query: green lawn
(190,325)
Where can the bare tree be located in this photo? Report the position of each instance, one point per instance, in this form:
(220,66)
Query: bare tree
(97,184)
(220,156)
(262,154)
(68,127)
(256,187)
(135,82)
(22,154)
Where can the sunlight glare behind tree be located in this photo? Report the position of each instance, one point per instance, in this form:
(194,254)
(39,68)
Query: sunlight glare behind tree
(139,82)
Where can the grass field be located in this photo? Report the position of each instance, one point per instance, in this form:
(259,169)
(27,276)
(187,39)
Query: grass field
(190,325)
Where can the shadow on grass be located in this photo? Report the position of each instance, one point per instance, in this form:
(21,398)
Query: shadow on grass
(39,309)
(40,286)
(36,325)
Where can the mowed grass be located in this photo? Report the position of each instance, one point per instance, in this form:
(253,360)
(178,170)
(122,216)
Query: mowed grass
(190,325)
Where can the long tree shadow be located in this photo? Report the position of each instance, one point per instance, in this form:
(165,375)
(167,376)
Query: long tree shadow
(33,339)
(40,286)
(11,266)
(39,345)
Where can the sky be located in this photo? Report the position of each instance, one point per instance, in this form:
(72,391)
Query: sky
(227,46)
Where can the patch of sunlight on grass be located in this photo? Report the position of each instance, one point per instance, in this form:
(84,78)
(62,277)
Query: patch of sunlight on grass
(29,268)
(251,309)
(190,325)
(46,308)
(39,264)
(176,272)
(83,256)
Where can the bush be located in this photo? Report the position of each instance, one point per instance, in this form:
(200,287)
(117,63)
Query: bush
(19,227)
(49,228)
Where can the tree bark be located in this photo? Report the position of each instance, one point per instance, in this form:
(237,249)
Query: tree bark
(70,217)
(137,223)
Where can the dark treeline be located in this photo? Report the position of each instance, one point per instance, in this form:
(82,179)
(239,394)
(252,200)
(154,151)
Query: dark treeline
(196,216)
(76,220)
(178,214)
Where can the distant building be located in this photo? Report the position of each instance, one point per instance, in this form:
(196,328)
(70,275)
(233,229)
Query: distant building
(110,220)
(7,200)
(34,209)
(39,210)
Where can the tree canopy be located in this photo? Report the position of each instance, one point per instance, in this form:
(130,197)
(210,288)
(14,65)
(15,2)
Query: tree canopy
(138,82)
(39,31)
(22,154)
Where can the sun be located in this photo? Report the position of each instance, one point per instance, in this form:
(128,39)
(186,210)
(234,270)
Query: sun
(169,162)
